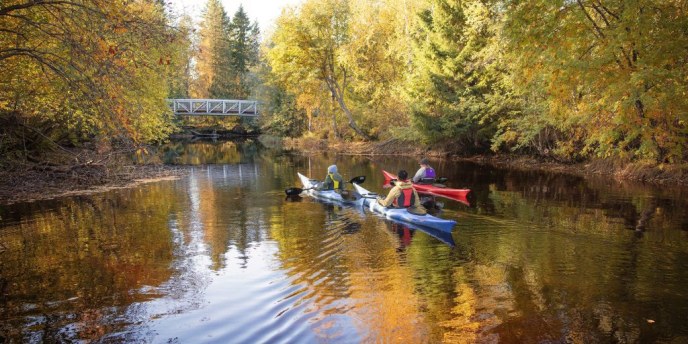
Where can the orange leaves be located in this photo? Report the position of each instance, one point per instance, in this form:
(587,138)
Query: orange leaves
(88,66)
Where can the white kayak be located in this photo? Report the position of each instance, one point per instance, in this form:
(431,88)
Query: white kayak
(402,215)
(310,188)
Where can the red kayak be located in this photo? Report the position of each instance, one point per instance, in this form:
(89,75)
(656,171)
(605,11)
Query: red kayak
(460,195)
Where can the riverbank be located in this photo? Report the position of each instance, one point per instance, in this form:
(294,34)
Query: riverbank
(637,171)
(33,181)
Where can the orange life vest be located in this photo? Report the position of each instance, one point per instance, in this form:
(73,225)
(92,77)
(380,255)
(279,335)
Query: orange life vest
(406,199)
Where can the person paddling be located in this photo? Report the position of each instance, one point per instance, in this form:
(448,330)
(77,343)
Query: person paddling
(403,195)
(425,174)
(333,180)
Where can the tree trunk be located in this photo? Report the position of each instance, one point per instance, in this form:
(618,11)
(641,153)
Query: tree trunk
(337,94)
(334,120)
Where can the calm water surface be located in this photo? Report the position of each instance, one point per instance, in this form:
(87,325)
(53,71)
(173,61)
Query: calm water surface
(221,256)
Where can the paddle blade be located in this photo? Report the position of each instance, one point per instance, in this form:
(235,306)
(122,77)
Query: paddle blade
(357,180)
(293,191)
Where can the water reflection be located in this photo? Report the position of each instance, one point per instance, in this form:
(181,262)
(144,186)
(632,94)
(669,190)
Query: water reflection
(222,256)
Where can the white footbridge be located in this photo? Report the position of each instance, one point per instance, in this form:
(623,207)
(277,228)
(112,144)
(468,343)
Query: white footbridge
(214,107)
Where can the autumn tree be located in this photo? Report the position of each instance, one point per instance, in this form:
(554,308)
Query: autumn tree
(604,78)
(307,48)
(378,55)
(74,70)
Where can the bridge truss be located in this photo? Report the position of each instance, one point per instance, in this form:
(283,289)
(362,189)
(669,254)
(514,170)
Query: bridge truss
(214,107)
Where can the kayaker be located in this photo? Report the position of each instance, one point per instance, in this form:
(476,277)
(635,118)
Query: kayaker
(333,180)
(403,195)
(425,174)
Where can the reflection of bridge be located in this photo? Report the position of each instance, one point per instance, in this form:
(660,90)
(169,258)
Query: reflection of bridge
(214,107)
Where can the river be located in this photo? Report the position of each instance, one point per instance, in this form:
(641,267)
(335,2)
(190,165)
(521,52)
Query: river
(223,256)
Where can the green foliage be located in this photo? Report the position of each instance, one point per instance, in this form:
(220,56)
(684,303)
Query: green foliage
(243,54)
(304,55)
(345,61)
(563,79)
(227,50)
(457,86)
(281,115)
(180,72)
(213,64)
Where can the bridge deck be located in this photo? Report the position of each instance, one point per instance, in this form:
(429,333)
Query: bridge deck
(214,107)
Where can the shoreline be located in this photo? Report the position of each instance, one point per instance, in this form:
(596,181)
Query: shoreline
(39,182)
(659,174)
(34,184)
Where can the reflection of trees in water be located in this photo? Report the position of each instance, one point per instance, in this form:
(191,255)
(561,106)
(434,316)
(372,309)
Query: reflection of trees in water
(348,271)
(560,283)
(565,199)
(231,207)
(209,152)
(310,252)
(498,286)
(637,206)
(70,257)
(542,257)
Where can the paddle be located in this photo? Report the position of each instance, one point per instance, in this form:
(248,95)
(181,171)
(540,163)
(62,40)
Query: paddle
(440,180)
(297,191)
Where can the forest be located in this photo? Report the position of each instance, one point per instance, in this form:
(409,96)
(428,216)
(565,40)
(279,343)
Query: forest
(558,79)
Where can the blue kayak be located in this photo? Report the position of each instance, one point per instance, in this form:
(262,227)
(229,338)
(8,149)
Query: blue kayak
(310,188)
(402,215)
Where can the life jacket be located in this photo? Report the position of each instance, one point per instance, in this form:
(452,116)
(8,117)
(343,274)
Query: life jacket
(406,199)
(335,182)
(430,173)
(428,176)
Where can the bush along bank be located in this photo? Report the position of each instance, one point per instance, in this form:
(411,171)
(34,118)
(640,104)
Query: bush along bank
(665,174)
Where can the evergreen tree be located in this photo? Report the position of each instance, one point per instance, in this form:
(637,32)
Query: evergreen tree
(243,50)
(180,71)
(213,64)
(456,88)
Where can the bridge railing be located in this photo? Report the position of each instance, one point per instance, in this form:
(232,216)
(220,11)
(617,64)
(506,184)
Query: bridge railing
(214,107)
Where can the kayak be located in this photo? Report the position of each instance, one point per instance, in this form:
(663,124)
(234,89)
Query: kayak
(402,215)
(460,195)
(309,186)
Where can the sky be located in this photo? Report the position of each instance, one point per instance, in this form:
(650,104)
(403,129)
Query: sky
(263,11)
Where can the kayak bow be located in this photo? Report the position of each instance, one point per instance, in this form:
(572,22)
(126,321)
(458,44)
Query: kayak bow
(310,188)
(460,195)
